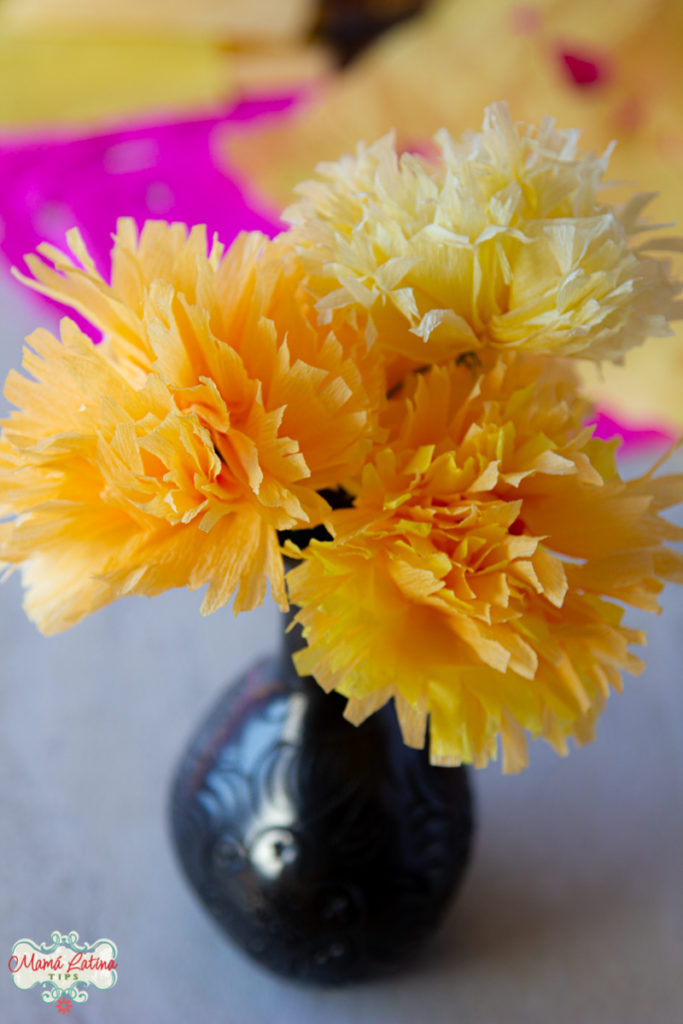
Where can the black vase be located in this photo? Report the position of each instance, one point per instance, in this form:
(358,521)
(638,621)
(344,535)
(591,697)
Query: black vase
(329,852)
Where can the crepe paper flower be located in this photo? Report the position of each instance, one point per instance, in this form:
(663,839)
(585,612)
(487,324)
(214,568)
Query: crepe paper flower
(47,184)
(82,63)
(171,454)
(613,69)
(163,265)
(502,242)
(476,580)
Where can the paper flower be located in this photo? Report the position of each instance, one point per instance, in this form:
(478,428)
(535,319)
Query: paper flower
(172,453)
(503,242)
(614,70)
(476,579)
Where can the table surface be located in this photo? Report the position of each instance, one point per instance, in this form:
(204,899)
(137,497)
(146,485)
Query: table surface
(572,911)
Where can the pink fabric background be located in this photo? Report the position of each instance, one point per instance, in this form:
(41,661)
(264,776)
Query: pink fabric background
(167,171)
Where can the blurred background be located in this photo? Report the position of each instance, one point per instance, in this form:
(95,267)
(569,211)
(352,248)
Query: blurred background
(210,113)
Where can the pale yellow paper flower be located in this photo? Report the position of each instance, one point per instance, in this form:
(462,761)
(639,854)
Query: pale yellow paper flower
(502,241)
(442,69)
(476,580)
(172,453)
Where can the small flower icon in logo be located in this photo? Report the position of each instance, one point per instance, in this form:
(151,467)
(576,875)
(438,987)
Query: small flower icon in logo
(63,1005)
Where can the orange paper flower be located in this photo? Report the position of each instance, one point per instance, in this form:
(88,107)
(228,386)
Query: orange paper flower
(475,581)
(171,454)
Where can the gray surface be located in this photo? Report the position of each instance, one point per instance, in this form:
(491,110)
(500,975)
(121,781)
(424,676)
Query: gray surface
(572,912)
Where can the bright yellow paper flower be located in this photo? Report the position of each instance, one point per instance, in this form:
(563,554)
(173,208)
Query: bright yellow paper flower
(172,453)
(475,580)
(504,242)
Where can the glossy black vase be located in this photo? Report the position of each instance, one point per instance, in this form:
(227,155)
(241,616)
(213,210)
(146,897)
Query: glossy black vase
(328,852)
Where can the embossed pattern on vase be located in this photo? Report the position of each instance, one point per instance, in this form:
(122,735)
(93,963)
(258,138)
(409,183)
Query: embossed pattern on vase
(327,851)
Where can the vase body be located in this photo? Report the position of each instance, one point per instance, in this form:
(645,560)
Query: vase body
(328,852)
